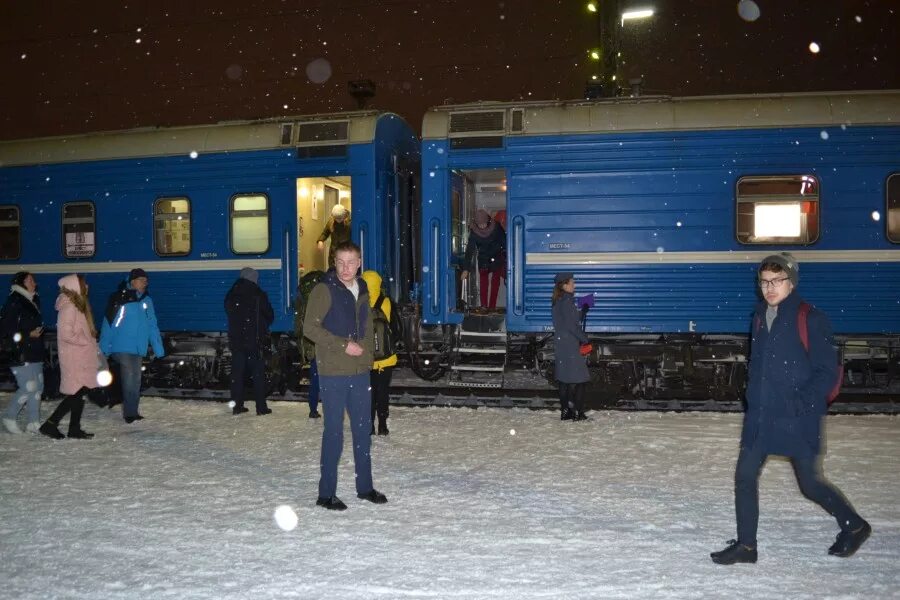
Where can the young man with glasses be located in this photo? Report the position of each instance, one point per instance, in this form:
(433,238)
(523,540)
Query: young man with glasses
(786,401)
(339,322)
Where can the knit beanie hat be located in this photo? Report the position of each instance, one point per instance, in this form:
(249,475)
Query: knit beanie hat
(250,274)
(788,264)
(135,273)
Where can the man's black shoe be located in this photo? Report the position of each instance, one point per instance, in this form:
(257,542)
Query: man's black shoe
(375,497)
(566,415)
(333,503)
(239,410)
(80,434)
(263,411)
(848,542)
(138,417)
(581,417)
(51,430)
(736,552)
(314,414)
(383,429)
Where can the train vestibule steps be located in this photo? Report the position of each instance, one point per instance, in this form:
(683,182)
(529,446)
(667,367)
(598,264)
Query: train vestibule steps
(479,355)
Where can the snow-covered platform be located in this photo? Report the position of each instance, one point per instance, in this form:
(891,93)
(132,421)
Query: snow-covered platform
(487,503)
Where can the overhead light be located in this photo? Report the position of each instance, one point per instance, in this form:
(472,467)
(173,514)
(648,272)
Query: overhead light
(637,14)
(592,7)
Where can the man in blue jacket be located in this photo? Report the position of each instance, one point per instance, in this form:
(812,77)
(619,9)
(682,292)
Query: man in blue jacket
(129,327)
(787,396)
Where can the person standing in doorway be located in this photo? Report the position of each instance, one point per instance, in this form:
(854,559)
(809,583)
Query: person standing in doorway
(787,399)
(249,316)
(129,327)
(339,322)
(487,242)
(338,229)
(22,330)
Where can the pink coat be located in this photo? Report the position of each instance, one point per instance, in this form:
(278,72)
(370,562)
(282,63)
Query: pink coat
(78,349)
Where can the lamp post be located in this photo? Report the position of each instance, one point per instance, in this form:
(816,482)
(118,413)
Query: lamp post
(609,19)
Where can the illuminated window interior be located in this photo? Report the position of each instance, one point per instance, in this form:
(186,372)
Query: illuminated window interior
(779,209)
(172,226)
(250,224)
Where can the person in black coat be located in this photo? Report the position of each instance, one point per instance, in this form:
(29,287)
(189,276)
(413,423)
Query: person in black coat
(22,331)
(249,317)
(487,242)
(787,396)
(571,367)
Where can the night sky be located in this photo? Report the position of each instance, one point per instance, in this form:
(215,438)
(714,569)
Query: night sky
(74,67)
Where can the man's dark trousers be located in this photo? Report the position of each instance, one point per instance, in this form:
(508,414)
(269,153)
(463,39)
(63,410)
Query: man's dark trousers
(351,393)
(252,360)
(812,484)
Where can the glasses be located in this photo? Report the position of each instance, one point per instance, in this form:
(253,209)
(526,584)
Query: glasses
(773,283)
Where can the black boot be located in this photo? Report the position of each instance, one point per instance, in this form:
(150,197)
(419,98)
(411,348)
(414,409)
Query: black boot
(51,430)
(333,503)
(79,434)
(239,410)
(375,497)
(382,427)
(848,542)
(736,552)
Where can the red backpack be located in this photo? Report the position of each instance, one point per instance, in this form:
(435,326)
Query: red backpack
(803,330)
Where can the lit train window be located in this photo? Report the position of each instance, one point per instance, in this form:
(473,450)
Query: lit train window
(79,227)
(780,209)
(893,208)
(249,224)
(10,232)
(172,226)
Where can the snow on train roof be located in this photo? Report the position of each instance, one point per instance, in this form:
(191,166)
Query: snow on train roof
(664,113)
(173,141)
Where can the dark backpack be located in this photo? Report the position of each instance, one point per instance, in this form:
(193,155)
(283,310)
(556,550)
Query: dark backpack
(803,330)
(304,288)
(386,334)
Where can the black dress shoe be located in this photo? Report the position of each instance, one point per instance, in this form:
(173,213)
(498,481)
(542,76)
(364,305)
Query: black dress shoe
(314,414)
(51,430)
(375,497)
(80,434)
(239,410)
(848,542)
(581,417)
(736,552)
(333,503)
(566,415)
(263,411)
(383,429)
(138,417)
(130,419)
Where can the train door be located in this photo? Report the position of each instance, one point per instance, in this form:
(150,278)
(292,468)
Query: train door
(316,197)
(471,191)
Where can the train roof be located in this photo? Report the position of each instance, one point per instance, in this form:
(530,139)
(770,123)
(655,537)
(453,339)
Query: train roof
(663,113)
(278,132)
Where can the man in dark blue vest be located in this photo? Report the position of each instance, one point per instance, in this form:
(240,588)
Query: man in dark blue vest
(339,323)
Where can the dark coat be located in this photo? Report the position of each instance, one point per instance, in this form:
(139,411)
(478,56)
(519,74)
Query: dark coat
(249,316)
(333,319)
(20,316)
(788,388)
(571,366)
(490,250)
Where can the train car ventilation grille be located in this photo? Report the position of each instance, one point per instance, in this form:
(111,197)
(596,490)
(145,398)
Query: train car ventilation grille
(518,121)
(478,122)
(323,133)
(483,141)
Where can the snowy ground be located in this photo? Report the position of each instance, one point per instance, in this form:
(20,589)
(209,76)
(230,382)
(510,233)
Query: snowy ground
(627,505)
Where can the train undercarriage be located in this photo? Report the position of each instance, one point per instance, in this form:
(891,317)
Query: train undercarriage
(480,363)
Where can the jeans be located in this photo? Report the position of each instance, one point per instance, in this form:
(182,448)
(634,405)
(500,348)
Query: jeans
(346,393)
(130,375)
(30,382)
(812,483)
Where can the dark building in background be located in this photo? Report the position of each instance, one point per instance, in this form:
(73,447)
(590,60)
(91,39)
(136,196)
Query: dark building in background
(72,67)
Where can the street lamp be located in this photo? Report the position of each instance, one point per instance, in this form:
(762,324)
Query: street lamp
(642,13)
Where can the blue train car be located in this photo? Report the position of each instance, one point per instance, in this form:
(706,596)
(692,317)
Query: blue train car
(663,207)
(193,205)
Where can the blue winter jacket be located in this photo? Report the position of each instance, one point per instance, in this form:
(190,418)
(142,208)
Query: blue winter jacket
(130,324)
(788,387)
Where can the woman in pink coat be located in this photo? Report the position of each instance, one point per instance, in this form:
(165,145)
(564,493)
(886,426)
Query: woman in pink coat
(76,339)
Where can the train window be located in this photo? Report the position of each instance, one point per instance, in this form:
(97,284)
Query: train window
(10,232)
(79,227)
(780,209)
(172,226)
(893,208)
(250,224)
